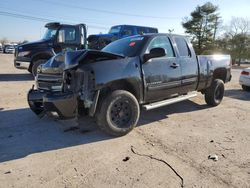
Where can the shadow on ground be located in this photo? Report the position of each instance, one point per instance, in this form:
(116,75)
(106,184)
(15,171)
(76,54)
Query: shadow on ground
(22,133)
(237,94)
(16,77)
(163,112)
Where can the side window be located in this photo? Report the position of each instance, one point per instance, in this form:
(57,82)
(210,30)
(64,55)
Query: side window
(162,42)
(127,30)
(182,47)
(152,30)
(141,30)
(69,34)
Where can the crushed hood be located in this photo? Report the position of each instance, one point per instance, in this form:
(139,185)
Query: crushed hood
(72,59)
(63,61)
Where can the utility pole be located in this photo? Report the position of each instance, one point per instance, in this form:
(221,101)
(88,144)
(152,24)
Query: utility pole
(216,26)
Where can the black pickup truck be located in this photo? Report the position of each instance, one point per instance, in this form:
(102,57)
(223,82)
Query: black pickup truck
(149,70)
(58,37)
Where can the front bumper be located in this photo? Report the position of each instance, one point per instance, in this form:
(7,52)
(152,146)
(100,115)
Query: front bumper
(64,104)
(22,63)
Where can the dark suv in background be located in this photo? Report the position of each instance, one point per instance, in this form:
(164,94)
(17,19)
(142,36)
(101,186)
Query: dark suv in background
(117,32)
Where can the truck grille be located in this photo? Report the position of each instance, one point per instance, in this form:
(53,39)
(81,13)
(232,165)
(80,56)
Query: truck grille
(49,82)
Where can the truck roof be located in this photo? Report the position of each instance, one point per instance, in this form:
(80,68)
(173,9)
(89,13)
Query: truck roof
(134,26)
(162,34)
(58,24)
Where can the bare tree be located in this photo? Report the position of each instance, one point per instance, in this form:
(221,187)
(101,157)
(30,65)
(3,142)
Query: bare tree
(4,40)
(239,34)
(239,26)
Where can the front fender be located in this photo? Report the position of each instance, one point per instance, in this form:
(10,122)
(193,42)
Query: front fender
(128,69)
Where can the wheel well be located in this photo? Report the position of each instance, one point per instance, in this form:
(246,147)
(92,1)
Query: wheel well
(37,57)
(220,74)
(121,85)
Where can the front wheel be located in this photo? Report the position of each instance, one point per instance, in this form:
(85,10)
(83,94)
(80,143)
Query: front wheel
(214,94)
(118,113)
(36,64)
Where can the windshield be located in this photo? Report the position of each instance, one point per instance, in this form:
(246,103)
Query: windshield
(129,46)
(115,29)
(50,33)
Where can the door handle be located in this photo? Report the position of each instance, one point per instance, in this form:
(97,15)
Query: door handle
(174,65)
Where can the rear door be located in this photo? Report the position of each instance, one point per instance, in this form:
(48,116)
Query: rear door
(161,75)
(188,63)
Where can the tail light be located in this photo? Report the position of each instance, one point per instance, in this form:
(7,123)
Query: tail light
(245,73)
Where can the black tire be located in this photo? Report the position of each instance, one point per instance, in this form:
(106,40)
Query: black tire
(245,88)
(118,113)
(36,64)
(214,94)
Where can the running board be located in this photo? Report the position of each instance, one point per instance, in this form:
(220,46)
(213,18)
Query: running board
(169,101)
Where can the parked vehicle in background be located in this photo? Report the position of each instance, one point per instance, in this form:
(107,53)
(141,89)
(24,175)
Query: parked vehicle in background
(1,47)
(9,48)
(245,79)
(150,70)
(58,38)
(117,32)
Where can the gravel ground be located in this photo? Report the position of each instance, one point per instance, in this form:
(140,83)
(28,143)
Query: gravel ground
(169,147)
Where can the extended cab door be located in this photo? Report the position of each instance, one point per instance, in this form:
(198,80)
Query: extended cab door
(188,63)
(162,76)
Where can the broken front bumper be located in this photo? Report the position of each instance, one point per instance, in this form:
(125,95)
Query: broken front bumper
(64,104)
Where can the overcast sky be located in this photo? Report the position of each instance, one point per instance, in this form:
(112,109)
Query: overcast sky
(100,15)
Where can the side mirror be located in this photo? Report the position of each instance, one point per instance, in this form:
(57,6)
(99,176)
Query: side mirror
(61,36)
(154,53)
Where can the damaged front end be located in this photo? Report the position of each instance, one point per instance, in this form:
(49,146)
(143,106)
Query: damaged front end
(78,92)
(64,105)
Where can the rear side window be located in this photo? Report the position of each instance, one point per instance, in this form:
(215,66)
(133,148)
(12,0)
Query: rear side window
(162,42)
(182,47)
(141,30)
(152,30)
(128,30)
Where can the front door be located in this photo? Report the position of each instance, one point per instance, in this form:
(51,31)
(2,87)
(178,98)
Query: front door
(162,76)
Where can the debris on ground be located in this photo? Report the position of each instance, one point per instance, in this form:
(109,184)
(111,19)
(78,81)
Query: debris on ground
(85,131)
(126,159)
(71,129)
(8,172)
(213,157)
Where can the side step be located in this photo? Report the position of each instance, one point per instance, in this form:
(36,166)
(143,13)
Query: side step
(169,101)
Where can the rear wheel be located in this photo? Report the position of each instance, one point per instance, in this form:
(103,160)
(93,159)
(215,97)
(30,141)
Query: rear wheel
(214,94)
(245,88)
(35,65)
(118,113)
